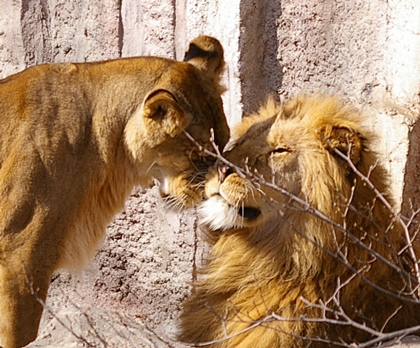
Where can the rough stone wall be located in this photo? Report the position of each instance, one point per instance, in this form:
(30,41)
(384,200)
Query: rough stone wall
(365,51)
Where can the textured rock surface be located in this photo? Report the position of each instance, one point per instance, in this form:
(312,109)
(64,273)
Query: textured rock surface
(365,51)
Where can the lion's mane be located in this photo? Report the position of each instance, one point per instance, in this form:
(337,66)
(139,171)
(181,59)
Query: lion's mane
(323,262)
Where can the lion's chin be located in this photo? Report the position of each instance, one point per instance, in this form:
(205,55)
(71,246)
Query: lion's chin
(218,214)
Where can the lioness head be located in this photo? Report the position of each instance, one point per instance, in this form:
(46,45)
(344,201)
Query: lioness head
(290,150)
(185,104)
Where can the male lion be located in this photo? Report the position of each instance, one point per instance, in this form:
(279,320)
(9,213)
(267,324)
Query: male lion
(74,141)
(306,252)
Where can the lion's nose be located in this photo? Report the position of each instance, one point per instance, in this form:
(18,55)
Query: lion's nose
(224,171)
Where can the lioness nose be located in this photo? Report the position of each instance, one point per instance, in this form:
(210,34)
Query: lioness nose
(224,171)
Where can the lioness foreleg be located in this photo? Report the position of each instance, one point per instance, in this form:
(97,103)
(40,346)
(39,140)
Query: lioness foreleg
(22,292)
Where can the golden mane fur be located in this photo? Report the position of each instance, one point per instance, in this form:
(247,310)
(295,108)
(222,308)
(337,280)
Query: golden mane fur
(284,264)
(74,141)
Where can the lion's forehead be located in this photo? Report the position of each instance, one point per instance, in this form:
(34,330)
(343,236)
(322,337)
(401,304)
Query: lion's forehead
(263,137)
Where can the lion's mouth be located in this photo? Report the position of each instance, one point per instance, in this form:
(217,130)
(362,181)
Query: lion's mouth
(249,213)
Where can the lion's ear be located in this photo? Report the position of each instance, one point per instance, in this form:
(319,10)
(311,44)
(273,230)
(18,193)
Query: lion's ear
(206,53)
(161,112)
(345,140)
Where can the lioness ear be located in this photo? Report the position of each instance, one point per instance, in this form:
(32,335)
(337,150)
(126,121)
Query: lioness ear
(161,112)
(345,140)
(206,53)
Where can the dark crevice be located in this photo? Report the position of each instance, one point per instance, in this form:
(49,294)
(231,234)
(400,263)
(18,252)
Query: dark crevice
(195,250)
(120,29)
(261,73)
(174,20)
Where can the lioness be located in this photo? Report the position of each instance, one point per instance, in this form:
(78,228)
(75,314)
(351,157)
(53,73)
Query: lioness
(74,141)
(307,251)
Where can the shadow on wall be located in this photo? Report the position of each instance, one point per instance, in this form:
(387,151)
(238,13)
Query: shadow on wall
(261,73)
(411,193)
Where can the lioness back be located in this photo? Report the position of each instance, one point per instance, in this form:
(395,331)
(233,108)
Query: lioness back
(74,141)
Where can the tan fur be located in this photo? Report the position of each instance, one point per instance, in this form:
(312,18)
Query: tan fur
(281,260)
(74,141)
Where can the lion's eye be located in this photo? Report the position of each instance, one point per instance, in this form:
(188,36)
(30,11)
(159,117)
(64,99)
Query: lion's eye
(280,150)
